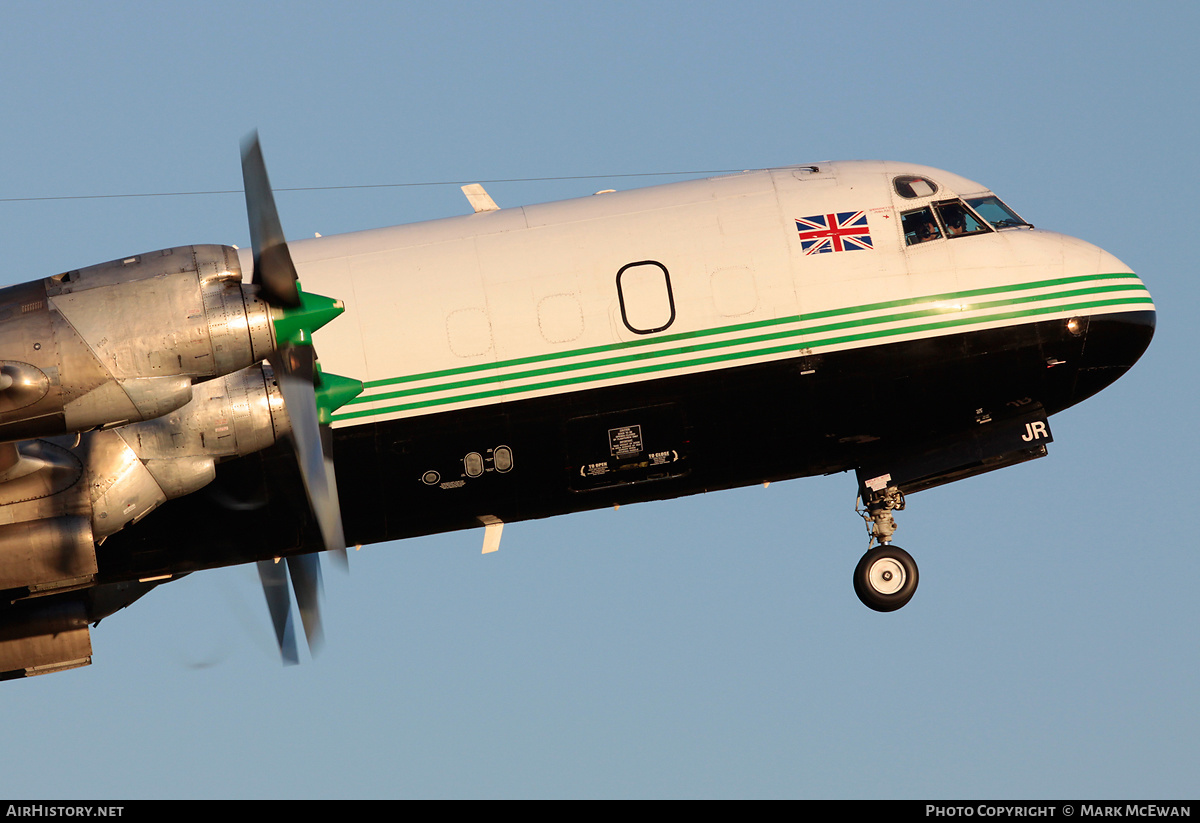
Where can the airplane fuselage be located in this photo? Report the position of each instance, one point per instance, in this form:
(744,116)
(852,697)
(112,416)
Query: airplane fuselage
(647,344)
(894,320)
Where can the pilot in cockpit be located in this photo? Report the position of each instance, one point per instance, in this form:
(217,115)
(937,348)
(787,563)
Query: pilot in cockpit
(919,227)
(927,230)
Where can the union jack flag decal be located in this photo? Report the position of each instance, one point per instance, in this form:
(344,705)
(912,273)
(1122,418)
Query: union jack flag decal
(843,231)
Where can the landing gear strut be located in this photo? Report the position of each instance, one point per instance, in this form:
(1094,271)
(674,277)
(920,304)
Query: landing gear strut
(886,576)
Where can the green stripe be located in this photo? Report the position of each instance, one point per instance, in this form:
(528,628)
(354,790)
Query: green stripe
(720,344)
(740,327)
(726,357)
(955,296)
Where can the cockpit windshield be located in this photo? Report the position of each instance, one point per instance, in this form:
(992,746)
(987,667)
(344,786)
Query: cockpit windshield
(955,218)
(958,219)
(919,227)
(1000,216)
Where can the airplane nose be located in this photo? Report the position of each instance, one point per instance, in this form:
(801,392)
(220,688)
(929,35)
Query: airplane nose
(1112,343)
(1113,326)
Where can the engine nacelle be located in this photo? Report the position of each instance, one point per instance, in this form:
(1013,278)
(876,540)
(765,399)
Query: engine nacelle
(135,469)
(62,496)
(124,341)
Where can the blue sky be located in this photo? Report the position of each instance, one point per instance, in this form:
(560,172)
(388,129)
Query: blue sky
(705,647)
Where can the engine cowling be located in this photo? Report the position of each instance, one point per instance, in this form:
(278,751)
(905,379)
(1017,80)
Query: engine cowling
(63,496)
(124,341)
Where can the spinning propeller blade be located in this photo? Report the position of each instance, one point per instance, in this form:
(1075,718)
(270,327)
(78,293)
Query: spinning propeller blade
(297,316)
(274,272)
(279,603)
(305,571)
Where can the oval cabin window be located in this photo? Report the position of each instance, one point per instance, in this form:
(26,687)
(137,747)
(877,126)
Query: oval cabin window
(644,290)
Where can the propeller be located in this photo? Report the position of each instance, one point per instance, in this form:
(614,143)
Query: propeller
(309,397)
(273,575)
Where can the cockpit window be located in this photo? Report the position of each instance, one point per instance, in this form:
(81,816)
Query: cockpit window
(919,227)
(958,219)
(910,186)
(991,209)
(948,218)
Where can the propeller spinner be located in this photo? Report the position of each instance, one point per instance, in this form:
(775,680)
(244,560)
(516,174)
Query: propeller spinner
(308,396)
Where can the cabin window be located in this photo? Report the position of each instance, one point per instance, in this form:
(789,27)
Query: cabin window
(919,227)
(733,291)
(560,318)
(910,186)
(958,220)
(469,332)
(994,211)
(644,290)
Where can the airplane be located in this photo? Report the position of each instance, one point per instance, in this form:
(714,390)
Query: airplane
(167,412)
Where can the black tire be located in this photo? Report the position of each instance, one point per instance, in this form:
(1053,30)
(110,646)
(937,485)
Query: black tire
(875,578)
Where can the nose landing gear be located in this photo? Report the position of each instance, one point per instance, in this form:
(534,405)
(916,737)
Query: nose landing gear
(886,576)
(984,441)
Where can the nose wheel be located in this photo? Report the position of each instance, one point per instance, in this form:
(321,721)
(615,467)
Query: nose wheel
(886,578)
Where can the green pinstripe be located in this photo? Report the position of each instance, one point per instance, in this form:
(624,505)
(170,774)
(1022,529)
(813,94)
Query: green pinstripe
(648,356)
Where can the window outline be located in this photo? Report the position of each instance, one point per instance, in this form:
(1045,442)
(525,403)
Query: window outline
(984,226)
(907,180)
(1020,224)
(670,296)
(937,226)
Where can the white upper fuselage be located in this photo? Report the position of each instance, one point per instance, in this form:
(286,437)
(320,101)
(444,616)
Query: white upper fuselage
(699,275)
